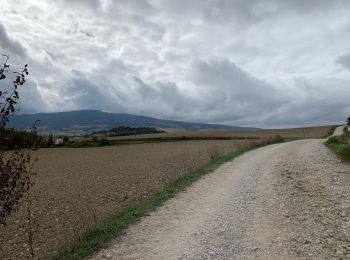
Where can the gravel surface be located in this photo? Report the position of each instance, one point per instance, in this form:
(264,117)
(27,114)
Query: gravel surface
(284,201)
(338,131)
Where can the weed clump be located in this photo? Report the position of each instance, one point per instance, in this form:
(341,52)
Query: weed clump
(340,144)
(344,152)
(273,139)
(335,140)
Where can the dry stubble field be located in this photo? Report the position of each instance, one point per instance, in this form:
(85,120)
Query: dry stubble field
(305,132)
(77,187)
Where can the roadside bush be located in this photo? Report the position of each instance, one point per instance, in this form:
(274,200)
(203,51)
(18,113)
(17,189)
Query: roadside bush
(273,139)
(344,151)
(278,139)
(336,140)
(341,145)
(14,172)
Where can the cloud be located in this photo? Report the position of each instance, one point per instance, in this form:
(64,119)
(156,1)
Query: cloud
(258,63)
(31,99)
(314,103)
(344,60)
(8,44)
(231,93)
(162,98)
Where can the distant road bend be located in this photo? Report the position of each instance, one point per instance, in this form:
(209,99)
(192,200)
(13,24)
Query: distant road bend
(283,201)
(339,130)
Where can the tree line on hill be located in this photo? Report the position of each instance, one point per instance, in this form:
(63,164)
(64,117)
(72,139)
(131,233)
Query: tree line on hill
(128,130)
(19,139)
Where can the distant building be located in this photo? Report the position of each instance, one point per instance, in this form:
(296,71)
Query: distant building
(58,141)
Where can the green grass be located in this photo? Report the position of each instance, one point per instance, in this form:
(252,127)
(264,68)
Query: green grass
(112,226)
(340,145)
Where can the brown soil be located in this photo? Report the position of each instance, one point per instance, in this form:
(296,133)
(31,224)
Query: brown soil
(76,188)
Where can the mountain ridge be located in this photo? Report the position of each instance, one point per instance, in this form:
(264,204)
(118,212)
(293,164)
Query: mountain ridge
(92,120)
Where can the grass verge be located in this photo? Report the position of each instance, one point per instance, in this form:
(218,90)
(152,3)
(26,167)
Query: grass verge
(340,145)
(112,226)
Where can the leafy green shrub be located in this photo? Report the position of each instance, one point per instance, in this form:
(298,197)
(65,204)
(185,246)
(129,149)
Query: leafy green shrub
(341,145)
(335,140)
(344,151)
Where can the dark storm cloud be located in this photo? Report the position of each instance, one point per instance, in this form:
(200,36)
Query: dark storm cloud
(224,93)
(226,79)
(164,97)
(231,93)
(88,94)
(344,60)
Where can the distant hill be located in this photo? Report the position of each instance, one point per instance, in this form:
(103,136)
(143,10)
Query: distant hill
(86,121)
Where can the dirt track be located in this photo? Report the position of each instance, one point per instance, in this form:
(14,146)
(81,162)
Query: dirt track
(284,201)
(339,130)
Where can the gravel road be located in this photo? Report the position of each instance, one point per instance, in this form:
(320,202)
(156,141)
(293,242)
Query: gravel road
(283,201)
(338,131)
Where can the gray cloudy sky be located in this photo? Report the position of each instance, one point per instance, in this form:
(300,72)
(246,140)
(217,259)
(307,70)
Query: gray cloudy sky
(264,63)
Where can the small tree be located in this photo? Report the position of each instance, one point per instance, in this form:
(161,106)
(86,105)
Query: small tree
(16,165)
(348,121)
(50,141)
(65,139)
